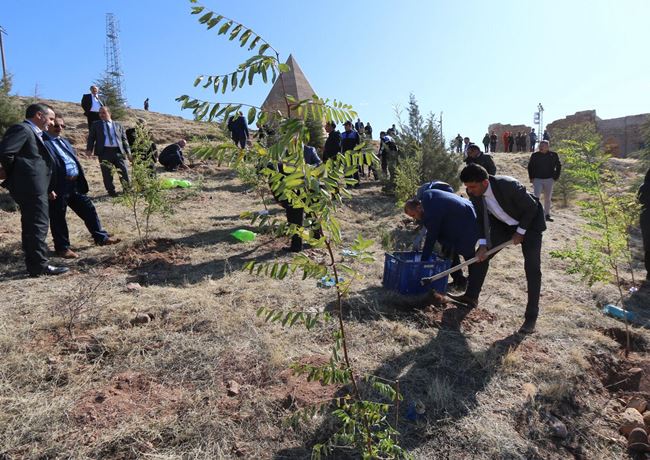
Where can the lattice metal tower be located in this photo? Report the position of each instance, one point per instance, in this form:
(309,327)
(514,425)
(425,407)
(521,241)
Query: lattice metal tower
(112,50)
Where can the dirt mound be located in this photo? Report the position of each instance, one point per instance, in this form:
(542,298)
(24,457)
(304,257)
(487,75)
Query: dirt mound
(151,254)
(452,317)
(129,395)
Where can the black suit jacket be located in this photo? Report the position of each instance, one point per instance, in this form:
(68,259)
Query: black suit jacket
(26,160)
(515,201)
(96,138)
(87,102)
(59,166)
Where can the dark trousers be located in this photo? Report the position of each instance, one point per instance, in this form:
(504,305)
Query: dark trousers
(92,117)
(171,162)
(111,156)
(531,249)
(493,147)
(240,141)
(34,222)
(295,216)
(645,232)
(82,207)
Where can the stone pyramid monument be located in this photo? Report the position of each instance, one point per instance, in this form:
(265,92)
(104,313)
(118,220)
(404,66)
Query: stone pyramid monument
(295,84)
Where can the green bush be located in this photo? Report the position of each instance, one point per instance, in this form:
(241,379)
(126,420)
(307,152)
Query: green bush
(422,154)
(11,110)
(111,97)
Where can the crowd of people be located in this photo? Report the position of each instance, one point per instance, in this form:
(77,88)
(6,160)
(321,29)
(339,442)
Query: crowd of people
(41,170)
(510,142)
(43,174)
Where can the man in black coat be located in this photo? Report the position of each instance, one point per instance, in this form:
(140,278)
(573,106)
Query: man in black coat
(505,211)
(238,130)
(91,103)
(172,156)
(27,164)
(544,169)
(108,140)
(493,142)
(474,155)
(333,143)
(71,187)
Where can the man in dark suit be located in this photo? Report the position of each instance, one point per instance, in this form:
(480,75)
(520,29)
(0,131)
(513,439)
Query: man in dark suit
(238,130)
(70,186)
(505,211)
(28,167)
(91,103)
(474,155)
(333,143)
(172,156)
(450,220)
(108,139)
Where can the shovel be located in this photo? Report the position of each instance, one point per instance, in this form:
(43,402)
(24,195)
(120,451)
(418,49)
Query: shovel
(431,279)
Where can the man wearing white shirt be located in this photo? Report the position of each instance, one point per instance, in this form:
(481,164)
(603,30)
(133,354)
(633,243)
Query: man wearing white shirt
(91,103)
(505,211)
(107,138)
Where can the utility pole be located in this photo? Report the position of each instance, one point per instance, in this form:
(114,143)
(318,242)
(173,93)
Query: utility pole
(540,109)
(2,52)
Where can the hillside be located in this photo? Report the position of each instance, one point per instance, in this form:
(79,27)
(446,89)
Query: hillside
(165,129)
(167,359)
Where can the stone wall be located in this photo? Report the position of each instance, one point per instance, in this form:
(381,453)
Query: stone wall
(623,135)
(500,128)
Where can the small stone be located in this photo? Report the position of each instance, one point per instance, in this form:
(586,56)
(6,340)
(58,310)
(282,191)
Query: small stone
(558,429)
(140,318)
(233,388)
(100,398)
(637,403)
(646,418)
(52,360)
(132,287)
(630,420)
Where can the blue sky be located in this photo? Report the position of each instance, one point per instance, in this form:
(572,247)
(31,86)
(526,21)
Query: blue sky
(478,62)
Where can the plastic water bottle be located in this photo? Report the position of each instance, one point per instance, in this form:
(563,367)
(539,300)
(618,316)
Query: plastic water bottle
(618,312)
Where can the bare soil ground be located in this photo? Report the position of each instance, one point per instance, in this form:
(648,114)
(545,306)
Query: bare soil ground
(179,366)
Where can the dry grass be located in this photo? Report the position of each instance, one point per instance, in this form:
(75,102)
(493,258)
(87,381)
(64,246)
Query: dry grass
(160,389)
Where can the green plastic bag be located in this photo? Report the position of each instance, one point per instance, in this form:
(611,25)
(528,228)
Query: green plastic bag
(244,235)
(175,183)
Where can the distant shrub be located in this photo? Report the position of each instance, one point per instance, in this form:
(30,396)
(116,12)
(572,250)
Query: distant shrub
(11,110)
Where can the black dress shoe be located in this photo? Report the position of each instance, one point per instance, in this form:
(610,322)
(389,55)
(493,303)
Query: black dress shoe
(528,327)
(549,219)
(113,194)
(464,299)
(50,270)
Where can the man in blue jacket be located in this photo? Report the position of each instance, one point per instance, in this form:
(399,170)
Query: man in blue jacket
(70,186)
(450,220)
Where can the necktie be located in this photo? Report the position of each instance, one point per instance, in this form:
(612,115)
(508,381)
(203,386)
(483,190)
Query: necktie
(111,138)
(486,222)
(61,144)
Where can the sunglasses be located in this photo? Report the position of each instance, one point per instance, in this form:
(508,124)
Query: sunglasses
(60,126)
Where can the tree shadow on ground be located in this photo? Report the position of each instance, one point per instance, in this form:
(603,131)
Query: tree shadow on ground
(370,204)
(440,380)
(170,269)
(13,261)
